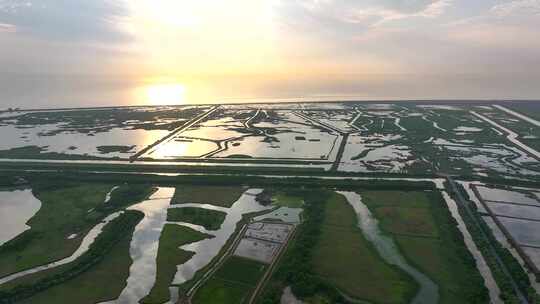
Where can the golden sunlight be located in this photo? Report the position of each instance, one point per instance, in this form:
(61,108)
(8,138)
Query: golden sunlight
(164,94)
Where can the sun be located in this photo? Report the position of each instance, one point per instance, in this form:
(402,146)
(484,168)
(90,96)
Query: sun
(165,94)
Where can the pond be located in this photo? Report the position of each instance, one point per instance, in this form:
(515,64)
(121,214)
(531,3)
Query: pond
(16,208)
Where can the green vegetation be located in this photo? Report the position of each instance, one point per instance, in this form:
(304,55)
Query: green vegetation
(36,152)
(184,287)
(350,263)
(64,211)
(67,208)
(209,219)
(426,234)
(223,292)
(112,149)
(88,271)
(402,213)
(223,196)
(232,283)
(241,270)
(127,194)
(329,255)
(102,282)
(169,256)
(285,199)
(104,119)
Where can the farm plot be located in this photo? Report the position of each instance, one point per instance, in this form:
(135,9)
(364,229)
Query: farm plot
(232,283)
(88,133)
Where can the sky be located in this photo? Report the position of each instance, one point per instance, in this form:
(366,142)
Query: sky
(104,52)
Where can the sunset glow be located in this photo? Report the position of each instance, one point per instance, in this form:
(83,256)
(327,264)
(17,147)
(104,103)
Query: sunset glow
(164,94)
(269,49)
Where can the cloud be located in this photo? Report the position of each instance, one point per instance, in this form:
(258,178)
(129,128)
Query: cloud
(368,13)
(94,20)
(7,28)
(517,8)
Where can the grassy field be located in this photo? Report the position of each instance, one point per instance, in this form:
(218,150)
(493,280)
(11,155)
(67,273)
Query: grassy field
(99,274)
(402,213)
(232,283)
(241,270)
(64,211)
(209,219)
(283,199)
(223,292)
(223,196)
(345,259)
(427,236)
(103,282)
(169,256)
(67,208)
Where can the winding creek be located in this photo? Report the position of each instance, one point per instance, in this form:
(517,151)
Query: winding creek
(85,245)
(144,246)
(207,249)
(428,291)
(145,241)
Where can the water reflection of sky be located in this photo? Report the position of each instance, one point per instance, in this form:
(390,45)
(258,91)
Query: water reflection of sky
(13,137)
(16,209)
(144,246)
(207,249)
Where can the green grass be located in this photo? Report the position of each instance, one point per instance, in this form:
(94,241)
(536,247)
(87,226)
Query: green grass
(67,208)
(103,282)
(283,199)
(209,219)
(91,271)
(222,292)
(169,256)
(223,196)
(404,213)
(348,261)
(64,211)
(241,270)
(233,282)
(408,217)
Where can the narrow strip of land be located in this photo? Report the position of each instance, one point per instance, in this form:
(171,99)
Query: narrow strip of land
(174,132)
(462,202)
(511,136)
(353,121)
(518,115)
